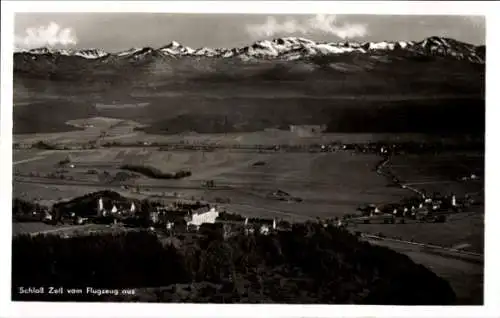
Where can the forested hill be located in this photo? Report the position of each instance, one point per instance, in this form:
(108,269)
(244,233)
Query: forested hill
(309,264)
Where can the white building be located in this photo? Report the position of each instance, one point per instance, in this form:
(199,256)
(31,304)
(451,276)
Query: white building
(264,229)
(48,216)
(100,207)
(154,216)
(198,219)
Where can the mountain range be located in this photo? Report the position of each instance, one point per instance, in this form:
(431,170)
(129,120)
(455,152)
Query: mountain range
(287,48)
(432,86)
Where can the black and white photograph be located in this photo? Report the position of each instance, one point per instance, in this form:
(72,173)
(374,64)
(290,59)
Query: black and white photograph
(248,158)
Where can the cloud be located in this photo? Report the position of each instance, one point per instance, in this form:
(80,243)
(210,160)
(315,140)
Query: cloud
(50,35)
(325,23)
(477,21)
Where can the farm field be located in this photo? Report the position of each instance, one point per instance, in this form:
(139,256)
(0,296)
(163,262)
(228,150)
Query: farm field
(441,172)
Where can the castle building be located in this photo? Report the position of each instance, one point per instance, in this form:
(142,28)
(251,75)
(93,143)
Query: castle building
(200,217)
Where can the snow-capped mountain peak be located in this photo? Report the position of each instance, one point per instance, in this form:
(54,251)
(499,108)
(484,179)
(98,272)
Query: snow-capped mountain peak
(173,44)
(91,53)
(175,48)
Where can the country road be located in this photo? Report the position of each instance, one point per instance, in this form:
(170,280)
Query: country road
(27,160)
(415,246)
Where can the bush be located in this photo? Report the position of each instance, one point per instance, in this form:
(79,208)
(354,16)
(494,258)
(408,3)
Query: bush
(224,216)
(44,145)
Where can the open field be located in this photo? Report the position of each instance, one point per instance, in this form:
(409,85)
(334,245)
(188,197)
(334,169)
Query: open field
(441,173)
(330,184)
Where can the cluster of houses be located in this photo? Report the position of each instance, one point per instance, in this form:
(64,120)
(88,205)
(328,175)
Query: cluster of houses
(423,208)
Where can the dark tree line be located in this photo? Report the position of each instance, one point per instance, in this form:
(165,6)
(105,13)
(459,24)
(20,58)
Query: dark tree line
(156,173)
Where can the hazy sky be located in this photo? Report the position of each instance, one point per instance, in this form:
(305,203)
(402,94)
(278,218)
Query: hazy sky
(119,31)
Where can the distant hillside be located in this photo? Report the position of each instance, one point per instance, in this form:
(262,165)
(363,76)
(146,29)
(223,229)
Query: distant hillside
(351,87)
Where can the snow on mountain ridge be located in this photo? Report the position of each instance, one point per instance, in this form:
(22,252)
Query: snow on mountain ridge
(85,53)
(91,53)
(291,48)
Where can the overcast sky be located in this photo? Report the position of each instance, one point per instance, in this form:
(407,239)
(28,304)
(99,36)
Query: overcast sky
(119,31)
